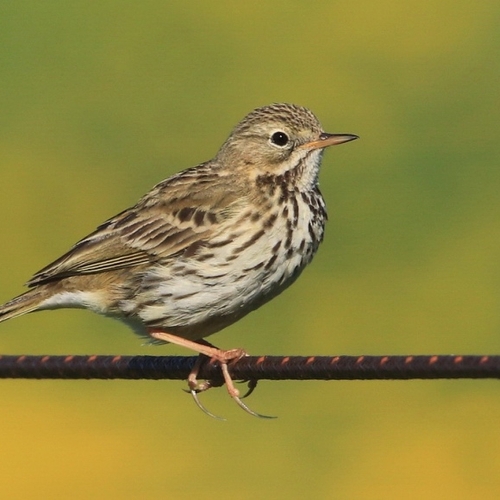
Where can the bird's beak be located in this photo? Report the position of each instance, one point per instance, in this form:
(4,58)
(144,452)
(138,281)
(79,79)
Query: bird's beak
(326,140)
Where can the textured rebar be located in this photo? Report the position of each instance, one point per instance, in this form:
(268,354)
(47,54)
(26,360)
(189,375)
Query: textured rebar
(252,367)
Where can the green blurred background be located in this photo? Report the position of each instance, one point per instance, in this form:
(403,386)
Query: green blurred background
(101,100)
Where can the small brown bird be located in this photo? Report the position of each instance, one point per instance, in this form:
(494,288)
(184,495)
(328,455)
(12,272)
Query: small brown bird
(206,246)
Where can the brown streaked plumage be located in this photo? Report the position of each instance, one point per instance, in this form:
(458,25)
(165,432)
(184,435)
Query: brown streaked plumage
(208,245)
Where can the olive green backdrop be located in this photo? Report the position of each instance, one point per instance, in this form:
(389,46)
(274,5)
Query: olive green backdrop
(101,100)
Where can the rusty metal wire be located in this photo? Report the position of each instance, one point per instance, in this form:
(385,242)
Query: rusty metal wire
(252,367)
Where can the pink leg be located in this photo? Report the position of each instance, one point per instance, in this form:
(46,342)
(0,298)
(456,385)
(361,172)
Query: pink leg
(206,349)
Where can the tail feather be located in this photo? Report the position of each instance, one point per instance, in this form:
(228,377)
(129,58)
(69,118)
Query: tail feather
(23,304)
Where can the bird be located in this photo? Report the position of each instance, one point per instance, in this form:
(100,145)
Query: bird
(206,246)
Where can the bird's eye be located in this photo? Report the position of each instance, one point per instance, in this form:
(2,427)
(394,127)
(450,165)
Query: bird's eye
(280,139)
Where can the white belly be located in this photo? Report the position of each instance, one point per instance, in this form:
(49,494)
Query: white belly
(229,280)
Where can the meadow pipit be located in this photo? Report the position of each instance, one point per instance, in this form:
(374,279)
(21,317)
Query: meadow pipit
(205,247)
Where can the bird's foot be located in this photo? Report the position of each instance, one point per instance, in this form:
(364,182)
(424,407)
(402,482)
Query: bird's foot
(215,355)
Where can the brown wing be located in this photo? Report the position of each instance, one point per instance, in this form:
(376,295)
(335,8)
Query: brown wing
(186,209)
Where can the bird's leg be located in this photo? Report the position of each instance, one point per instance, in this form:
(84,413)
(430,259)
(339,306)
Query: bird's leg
(222,357)
(206,349)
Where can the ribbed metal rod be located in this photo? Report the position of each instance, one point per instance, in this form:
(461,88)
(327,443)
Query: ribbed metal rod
(253,367)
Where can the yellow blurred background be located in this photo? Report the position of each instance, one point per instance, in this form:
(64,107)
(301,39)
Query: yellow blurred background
(101,100)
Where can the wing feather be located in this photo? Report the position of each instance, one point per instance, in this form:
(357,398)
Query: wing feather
(174,215)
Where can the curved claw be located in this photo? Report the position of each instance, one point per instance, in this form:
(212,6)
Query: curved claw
(252,384)
(243,406)
(202,408)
